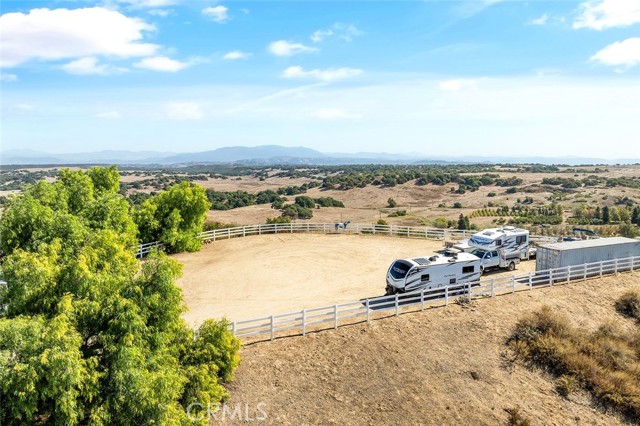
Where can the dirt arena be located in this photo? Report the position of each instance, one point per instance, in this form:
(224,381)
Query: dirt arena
(245,278)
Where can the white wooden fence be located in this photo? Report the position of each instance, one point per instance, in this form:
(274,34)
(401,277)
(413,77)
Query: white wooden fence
(352,228)
(299,322)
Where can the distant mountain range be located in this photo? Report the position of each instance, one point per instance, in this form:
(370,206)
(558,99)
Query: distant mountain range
(271,154)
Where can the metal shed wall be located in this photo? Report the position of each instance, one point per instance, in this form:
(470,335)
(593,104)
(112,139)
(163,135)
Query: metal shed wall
(559,255)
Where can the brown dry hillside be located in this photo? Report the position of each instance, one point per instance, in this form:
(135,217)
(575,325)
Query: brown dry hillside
(444,366)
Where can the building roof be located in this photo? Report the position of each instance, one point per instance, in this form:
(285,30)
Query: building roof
(598,242)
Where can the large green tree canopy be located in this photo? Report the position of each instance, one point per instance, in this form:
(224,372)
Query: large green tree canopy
(88,334)
(174,217)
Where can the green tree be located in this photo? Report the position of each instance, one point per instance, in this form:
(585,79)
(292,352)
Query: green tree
(605,215)
(635,215)
(628,230)
(304,201)
(391,203)
(174,217)
(89,335)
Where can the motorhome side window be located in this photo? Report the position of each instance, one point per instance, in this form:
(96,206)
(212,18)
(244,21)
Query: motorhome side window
(425,278)
(498,242)
(452,281)
(521,239)
(467,269)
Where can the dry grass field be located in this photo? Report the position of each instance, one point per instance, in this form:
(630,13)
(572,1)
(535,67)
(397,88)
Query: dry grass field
(444,366)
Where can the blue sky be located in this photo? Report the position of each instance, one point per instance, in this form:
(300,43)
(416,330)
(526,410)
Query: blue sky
(442,78)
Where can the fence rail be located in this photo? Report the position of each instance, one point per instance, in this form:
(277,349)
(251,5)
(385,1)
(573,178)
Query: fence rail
(331,316)
(295,227)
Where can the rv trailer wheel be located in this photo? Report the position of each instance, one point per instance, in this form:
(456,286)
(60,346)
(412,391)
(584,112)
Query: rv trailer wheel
(512,266)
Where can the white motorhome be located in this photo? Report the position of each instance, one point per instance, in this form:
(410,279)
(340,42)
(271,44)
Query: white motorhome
(508,239)
(432,272)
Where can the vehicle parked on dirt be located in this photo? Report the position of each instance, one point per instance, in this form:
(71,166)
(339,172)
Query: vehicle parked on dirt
(439,270)
(496,259)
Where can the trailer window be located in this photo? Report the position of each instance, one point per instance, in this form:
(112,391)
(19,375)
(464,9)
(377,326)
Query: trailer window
(498,243)
(521,239)
(467,269)
(452,281)
(424,278)
(399,269)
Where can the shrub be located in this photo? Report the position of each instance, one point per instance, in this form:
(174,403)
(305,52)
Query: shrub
(440,222)
(297,211)
(398,213)
(304,201)
(457,205)
(391,203)
(515,418)
(629,305)
(279,219)
(512,190)
(566,385)
(491,194)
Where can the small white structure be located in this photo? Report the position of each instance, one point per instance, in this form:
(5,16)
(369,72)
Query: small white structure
(508,239)
(432,272)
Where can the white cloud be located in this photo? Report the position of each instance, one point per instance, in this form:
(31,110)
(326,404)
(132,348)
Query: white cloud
(90,66)
(46,34)
(149,3)
(287,48)
(328,75)
(626,52)
(541,20)
(163,13)
(455,85)
(108,115)
(603,14)
(162,64)
(8,78)
(217,13)
(344,32)
(235,55)
(334,114)
(181,111)
(320,35)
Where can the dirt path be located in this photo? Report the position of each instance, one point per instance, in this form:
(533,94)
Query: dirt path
(245,278)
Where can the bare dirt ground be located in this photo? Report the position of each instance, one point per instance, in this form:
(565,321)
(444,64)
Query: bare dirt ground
(444,366)
(251,277)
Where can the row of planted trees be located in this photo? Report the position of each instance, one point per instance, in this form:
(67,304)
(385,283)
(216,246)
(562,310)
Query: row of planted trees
(88,334)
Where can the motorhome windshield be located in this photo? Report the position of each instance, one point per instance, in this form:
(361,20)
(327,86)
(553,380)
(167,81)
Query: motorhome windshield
(399,269)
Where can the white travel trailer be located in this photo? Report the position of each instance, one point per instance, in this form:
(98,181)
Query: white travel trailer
(432,272)
(508,239)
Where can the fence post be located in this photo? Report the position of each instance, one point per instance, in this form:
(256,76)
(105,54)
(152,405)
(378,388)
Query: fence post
(304,324)
(569,274)
(446,296)
(422,300)
(615,266)
(469,291)
(530,280)
(584,278)
(601,262)
(335,317)
(551,277)
(513,284)
(272,330)
(493,287)
(397,307)
(366,305)
(233,329)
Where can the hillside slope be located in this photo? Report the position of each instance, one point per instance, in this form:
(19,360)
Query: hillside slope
(444,366)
